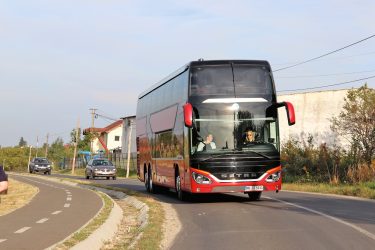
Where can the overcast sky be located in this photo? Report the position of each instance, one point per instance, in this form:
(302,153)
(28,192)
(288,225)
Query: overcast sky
(60,58)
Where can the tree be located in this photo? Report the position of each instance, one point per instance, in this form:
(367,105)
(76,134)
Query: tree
(356,122)
(22,142)
(73,138)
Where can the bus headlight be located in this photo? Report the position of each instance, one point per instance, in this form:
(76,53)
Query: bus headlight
(201,179)
(274,177)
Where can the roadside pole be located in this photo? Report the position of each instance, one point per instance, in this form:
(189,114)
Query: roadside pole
(28,165)
(129,144)
(92,130)
(75,147)
(46,152)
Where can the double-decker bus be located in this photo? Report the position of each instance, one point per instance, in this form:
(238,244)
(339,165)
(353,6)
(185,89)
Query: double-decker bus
(193,127)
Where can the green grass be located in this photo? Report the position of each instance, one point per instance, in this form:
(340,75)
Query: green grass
(364,190)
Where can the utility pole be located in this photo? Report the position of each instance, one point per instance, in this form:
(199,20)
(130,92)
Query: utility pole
(37,145)
(28,165)
(75,147)
(46,152)
(92,129)
(129,144)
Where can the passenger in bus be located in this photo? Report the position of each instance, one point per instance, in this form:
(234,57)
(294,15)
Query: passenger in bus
(208,144)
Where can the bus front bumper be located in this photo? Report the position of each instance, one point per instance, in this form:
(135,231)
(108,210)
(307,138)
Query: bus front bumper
(269,181)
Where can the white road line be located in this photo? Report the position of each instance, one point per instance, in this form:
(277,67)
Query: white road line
(56,212)
(42,220)
(66,205)
(361,230)
(20,231)
(68,198)
(2,240)
(68,192)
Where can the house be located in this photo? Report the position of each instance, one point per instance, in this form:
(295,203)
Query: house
(108,138)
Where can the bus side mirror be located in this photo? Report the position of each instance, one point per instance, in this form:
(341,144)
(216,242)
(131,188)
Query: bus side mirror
(188,115)
(289,112)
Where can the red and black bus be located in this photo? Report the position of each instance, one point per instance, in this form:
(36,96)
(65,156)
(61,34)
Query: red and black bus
(192,130)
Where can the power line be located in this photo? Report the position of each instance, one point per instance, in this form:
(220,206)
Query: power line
(329,85)
(335,74)
(106,117)
(334,58)
(329,53)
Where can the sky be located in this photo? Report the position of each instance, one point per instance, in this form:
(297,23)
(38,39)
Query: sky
(60,58)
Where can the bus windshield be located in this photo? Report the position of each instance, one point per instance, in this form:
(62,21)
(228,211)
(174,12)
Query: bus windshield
(236,80)
(235,127)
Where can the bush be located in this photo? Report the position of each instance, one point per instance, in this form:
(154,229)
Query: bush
(304,162)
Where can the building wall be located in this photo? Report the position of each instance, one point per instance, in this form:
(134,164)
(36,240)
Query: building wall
(313,111)
(111,143)
(109,139)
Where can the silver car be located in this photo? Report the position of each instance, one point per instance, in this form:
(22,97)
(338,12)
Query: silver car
(100,168)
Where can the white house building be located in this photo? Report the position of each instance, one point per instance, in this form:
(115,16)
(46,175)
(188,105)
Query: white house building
(109,138)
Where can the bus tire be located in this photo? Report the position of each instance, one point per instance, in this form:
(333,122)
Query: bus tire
(254,196)
(181,195)
(152,187)
(147,183)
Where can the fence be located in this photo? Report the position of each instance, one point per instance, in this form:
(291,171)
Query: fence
(120,160)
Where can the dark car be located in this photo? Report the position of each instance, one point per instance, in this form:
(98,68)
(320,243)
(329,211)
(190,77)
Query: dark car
(40,164)
(100,168)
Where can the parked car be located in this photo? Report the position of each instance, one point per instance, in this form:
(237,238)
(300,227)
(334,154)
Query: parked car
(40,164)
(100,168)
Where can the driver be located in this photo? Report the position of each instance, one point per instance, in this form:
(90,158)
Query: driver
(207,144)
(249,136)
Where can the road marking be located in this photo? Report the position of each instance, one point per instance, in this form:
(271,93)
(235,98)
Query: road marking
(2,240)
(20,231)
(361,230)
(42,220)
(56,212)
(68,198)
(67,205)
(68,192)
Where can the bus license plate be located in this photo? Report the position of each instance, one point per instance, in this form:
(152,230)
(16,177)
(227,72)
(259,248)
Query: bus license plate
(253,188)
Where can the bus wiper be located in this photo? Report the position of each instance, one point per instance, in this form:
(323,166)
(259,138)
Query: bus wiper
(252,151)
(213,157)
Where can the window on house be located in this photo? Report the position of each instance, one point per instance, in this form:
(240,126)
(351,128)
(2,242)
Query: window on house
(117,138)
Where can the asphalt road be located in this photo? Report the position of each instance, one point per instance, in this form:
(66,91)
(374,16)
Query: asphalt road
(286,220)
(56,211)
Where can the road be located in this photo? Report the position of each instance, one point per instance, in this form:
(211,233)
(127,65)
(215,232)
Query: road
(286,220)
(54,213)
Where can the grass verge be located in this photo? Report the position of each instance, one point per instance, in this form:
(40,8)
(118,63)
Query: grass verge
(363,190)
(19,194)
(91,227)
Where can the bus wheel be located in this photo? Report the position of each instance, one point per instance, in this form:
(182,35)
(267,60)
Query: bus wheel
(254,196)
(147,183)
(150,183)
(181,195)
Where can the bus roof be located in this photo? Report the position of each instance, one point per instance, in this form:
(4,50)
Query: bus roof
(201,63)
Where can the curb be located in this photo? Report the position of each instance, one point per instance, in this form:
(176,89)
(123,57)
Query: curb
(105,232)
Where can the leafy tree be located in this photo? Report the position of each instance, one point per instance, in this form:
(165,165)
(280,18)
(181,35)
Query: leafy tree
(356,122)
(73,138)
(22,142)
(85,143)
